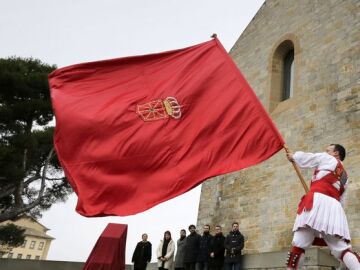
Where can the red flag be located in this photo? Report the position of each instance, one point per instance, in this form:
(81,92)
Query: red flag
(136,131)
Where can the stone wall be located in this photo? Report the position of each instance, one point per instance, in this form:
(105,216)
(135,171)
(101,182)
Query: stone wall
(21,264)
(325,108)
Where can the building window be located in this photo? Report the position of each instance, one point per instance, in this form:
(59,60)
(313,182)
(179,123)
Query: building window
(10,255)
(24,244)
(28,257)
(32,244)
(288,84)
(37,257)
(282,71)
(41,245)
(19,256)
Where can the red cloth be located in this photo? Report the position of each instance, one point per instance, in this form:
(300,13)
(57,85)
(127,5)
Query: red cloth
(320,242)
(121,151)
(323,186)
(109,250)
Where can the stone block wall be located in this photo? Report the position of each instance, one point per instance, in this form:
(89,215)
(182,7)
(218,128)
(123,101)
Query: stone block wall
(325,108)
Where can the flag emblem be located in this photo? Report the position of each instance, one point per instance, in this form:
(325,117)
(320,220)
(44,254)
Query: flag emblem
(159,109)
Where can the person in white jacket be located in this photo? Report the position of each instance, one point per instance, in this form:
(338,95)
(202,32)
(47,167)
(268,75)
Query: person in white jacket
(165,252)
(320,217)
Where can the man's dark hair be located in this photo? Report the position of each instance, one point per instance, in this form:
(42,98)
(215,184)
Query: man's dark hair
(192,226)
(340,149)
(183,230)
(235,222)
(218,226)
(207,226)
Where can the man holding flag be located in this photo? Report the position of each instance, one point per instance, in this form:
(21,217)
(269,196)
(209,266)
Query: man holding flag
(320,213)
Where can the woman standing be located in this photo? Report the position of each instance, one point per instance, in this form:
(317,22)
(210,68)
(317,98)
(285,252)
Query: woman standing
(165,252)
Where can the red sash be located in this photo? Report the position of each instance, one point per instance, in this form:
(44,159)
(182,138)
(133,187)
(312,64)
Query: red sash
(325,186)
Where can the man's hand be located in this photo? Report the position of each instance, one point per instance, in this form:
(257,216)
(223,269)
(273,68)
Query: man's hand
(290,156)
(212,255)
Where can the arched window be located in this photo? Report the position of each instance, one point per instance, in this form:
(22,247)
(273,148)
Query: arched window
(282,71)
(288,84)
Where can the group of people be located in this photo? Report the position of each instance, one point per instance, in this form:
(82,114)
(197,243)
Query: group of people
(194,251)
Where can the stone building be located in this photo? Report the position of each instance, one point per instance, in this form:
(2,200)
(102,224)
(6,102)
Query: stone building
(37,242)
(302,58)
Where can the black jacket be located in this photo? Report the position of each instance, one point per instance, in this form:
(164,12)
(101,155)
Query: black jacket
(217,247)
(192,245)
(204,247)
(142,254)
(234,243)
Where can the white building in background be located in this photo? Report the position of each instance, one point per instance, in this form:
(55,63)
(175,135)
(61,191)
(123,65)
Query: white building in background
(37,242)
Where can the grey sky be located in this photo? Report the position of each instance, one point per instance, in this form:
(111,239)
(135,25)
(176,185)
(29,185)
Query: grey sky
(72,31)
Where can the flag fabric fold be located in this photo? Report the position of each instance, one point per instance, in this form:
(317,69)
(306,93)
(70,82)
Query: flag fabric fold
(136,131)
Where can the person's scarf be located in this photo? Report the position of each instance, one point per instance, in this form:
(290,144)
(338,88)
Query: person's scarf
(164,247)
(164,250)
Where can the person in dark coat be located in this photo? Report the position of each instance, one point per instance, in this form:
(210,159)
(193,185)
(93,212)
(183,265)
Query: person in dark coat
(180,251)
(142,254)
(217,250)
(204,249)
(191,248)
(234,243)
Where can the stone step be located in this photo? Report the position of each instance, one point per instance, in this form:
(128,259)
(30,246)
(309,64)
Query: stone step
(315,259)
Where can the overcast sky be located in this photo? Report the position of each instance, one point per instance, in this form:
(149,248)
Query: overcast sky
(73,31)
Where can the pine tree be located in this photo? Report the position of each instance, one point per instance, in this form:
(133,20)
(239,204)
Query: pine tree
(31,179)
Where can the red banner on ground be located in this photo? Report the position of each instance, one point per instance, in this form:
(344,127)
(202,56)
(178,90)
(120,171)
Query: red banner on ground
(109,250)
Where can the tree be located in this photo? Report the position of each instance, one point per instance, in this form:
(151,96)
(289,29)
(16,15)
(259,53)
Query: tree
(31,179)
(10,236)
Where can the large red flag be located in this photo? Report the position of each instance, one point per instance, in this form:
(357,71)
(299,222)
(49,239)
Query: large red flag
(134,132)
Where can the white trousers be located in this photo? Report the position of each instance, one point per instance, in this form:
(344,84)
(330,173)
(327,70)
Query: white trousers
(304,237)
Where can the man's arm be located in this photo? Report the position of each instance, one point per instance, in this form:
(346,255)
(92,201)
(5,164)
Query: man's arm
(150,248)
(212,245)
(241,245)
(227,243)
(133,256)
(310,160)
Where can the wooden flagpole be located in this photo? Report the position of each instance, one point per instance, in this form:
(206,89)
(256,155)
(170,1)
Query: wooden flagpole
(298,172)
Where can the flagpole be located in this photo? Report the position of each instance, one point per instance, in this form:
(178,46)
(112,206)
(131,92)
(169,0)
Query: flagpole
(306,188)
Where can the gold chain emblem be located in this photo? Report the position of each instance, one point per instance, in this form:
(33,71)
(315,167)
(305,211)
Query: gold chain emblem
(159,109)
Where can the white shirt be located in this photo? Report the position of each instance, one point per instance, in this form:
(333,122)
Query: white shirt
(323,162)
